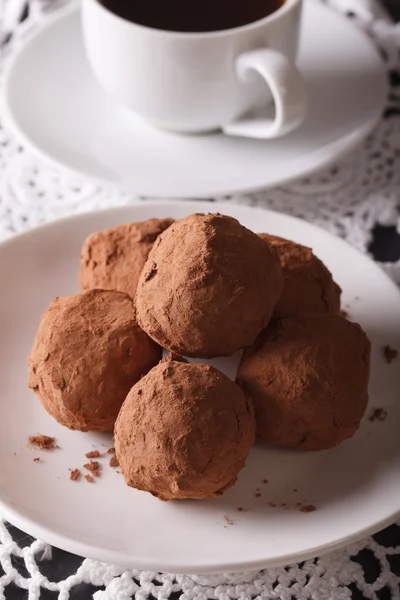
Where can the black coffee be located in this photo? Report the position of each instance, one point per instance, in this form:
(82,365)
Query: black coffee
(191,15)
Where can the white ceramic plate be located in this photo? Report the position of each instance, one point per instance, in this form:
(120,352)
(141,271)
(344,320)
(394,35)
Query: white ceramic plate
(355,487)
(59,110)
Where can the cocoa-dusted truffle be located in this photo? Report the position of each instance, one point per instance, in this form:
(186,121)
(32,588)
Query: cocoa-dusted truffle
(208,287)
(308,284)
(308,377)
(113,259)
(184,431)
(88,353)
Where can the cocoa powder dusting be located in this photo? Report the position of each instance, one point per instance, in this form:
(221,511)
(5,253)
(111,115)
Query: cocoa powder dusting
(389,354)
(112,259)
(309,286)
(218,250)
(294,363)
(307,509)
(43,442)
(97,327)
(185,392)
(114,462)
(94,467)
(92,454)
(378,414)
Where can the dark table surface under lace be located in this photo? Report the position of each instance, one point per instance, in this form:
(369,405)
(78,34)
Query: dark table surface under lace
(368,570)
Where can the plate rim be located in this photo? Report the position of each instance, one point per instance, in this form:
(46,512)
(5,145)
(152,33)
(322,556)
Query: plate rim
(66,543)
(88,550)
(321,158)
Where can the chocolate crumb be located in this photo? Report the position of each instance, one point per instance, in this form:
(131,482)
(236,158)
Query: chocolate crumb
(111,451)
(283,505)
(94,467)
(114,462)
(295,490)
(92,454)
(307,509)
(378,414)
(75,474)
(43,442)
(257,495)
(36,459)
(265,480)
(228,521)
(89,478)
(271,504)
(240,509)
(389,354)
(298,504)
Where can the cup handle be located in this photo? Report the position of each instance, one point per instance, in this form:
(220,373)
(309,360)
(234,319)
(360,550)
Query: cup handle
(287,89)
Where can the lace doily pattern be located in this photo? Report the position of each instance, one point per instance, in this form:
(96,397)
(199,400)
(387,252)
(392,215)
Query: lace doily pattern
(368,570)
(358,199)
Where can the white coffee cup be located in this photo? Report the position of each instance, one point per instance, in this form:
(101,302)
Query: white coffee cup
(197,82)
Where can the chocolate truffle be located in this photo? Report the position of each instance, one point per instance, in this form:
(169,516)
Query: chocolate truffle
(308,377)
(113,259)
(88,353)
(308,284)
(184,431)
(208,287)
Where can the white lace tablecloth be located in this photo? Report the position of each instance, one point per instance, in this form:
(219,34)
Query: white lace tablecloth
(358,199)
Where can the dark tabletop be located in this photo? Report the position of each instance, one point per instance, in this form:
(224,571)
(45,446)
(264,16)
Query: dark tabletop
(393,7)
(63,564)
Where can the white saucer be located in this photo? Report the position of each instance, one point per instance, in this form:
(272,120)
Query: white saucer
(355,487)
(59,110)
